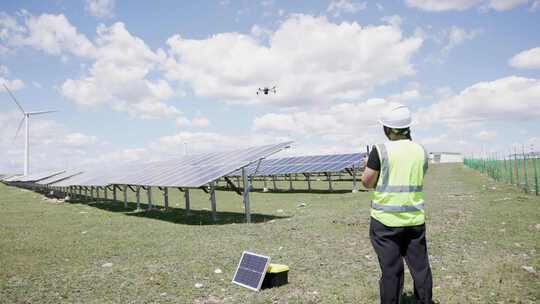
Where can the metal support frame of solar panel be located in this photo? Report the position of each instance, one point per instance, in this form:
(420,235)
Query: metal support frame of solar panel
(306,164)
(251,270)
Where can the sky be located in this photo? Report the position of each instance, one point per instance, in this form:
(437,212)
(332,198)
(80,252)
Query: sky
(149,80)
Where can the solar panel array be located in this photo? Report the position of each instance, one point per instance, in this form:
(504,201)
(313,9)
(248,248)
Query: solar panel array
(34,177)
(305,164)
(190,171)
(251,270)
(58,177)
(9,178)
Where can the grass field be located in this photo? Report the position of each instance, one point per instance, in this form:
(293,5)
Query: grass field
(483,237)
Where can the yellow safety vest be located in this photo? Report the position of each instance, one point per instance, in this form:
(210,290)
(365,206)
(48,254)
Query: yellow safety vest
(398,199)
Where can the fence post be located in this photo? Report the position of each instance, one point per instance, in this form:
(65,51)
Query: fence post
(500,168)
(535,157)
(526,169)
(505,168)
(517,167)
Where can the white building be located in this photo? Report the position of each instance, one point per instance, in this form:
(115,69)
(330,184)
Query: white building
(445,157)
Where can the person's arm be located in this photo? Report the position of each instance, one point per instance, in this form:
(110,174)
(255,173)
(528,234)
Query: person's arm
(369,178)
(371,170)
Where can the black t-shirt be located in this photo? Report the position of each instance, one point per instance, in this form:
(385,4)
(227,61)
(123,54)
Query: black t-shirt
(374,163)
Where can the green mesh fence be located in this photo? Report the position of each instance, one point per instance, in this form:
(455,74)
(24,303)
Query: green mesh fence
(519,169)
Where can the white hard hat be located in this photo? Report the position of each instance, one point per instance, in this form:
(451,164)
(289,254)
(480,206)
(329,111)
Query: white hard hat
(396,116)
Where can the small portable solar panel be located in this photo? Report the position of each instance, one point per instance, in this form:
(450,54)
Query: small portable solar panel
(251,270)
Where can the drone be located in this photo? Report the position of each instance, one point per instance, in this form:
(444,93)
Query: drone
(266,90)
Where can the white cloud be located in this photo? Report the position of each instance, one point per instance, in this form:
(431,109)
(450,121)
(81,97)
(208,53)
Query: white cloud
(534,143)
(309,59)
(258,31)
(13,85)
(119,77)
(461,5)
(100,8)
(10,32)
(529,59)
(52,145)
(182,122)
(342,128)
(343,122)
(79,139)
(508,99)
(405,96)
(200,121)
(504,5)
(54,35)
(442,5)
(445,142)
(457,36)
(337,7)
(202,142)
(486,135)
(394,20)
(535,6)
(197,121)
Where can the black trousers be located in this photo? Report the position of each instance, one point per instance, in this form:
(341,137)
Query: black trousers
(392,245)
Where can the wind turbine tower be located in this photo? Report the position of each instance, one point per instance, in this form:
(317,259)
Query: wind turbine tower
(26,120)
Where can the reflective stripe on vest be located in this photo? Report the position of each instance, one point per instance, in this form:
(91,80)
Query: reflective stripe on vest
(397,209)
(399,189)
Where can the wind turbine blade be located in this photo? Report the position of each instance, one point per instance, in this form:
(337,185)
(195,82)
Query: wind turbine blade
(19,128)
(14,99)
(41,112)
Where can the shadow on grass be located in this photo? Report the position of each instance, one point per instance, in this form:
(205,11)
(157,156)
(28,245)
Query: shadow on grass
(409,298)
(288,191)
(177,215)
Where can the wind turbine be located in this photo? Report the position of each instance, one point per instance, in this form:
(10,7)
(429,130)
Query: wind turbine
(26,120)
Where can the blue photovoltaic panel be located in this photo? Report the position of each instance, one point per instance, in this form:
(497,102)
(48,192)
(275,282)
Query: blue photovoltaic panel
(58,177)
(11,177)
(37,176)
(191,171)
(251,270)
(197,170)
(305,164)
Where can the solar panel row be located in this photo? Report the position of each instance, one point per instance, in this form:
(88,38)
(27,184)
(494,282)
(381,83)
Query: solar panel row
(34,177)
(58,177)
(191,171)
(305,164)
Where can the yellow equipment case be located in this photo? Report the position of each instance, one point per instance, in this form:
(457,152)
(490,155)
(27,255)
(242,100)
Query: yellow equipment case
(276,275)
